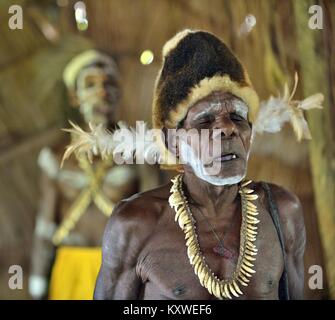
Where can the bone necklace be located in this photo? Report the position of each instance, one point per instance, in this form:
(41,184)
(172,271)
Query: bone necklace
(220,288)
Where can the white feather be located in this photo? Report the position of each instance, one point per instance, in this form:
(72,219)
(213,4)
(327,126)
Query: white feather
(272,115)
(311,102)
(124,142)
(275,112)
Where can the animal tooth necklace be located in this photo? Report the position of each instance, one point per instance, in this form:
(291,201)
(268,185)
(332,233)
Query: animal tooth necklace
(220,288)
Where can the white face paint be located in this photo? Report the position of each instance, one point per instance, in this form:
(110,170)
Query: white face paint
(188,157)
(240,108)
(92,94)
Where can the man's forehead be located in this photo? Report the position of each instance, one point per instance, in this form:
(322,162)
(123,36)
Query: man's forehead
(217,100)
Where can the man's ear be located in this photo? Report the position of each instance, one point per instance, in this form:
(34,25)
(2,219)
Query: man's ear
(73,98)
(171,141)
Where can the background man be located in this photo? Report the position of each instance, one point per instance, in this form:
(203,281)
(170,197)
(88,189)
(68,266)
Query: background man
(77,199)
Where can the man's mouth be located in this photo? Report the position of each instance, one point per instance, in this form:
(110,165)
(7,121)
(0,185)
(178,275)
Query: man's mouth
(226,157)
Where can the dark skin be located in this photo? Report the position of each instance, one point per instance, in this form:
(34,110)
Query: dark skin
(144,252)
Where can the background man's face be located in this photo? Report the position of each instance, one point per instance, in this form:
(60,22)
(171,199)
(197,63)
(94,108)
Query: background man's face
(97,93)
(228,113)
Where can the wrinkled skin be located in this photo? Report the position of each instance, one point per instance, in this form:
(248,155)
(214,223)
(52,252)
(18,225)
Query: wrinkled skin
(144,252)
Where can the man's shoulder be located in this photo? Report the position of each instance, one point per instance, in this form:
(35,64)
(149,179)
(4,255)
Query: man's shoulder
(280,193)
(287,202)
(132,222)
(144,207)
(289,209)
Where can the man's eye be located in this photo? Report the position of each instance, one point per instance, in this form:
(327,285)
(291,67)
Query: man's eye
(205,120)
(236,117)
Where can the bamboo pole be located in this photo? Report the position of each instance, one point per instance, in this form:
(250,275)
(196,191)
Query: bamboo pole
(316,74)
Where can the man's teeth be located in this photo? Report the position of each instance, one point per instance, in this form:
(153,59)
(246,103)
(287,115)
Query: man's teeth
(228,157)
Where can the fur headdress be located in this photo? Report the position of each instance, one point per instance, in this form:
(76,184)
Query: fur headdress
(196,63)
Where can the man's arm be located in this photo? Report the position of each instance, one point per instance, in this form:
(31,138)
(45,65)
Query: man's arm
(124,237)
(293,227)
(43,249)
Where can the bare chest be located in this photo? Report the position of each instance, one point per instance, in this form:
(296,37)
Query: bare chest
(167,273)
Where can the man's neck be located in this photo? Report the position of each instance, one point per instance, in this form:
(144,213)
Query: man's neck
(214,198)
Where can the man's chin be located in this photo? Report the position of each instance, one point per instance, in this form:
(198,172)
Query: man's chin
(220,175)
(221,180)
(222,172)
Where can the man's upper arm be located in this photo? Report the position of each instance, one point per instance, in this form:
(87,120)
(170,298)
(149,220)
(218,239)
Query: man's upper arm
(293,227)
(122,242)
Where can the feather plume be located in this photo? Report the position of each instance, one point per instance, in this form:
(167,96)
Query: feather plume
(124,142)
(276,111)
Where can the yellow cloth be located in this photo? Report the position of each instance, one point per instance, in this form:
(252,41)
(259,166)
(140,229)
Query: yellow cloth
(74,273)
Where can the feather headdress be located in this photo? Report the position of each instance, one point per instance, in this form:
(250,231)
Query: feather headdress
(123,144)
(126,142)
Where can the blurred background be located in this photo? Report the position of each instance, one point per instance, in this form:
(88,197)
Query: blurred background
(272,38)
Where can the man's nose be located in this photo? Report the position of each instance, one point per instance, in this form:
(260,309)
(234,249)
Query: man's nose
(226,125)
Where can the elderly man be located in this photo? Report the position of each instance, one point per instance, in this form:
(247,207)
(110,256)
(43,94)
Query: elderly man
(209,233)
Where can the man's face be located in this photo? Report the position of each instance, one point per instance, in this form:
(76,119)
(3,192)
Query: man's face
(221,158)
(97,93)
